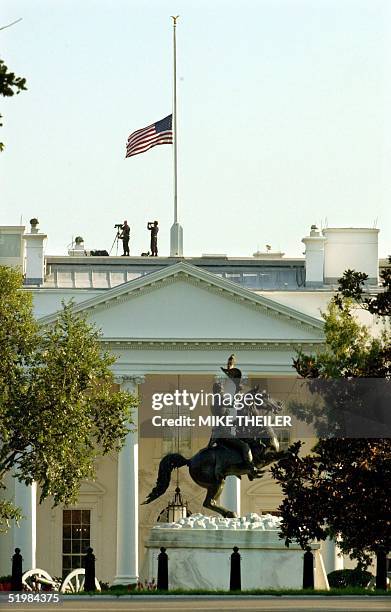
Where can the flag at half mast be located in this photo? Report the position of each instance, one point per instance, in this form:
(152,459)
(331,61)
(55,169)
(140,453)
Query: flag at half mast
(156,134)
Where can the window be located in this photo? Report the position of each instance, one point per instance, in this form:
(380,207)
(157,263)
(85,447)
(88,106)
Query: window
(75,538)
(284,438)
(250,280)
(64,279)
(117,278)
(100,280)
(132,275)
(234,277)
(272,512)
(82,279)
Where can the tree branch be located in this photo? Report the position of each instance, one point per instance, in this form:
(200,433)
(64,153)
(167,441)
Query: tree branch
(11,24)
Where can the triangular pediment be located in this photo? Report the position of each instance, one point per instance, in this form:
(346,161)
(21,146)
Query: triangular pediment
(88,487)
(185,303)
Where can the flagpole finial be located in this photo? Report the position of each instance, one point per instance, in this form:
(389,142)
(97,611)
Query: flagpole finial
(175,18)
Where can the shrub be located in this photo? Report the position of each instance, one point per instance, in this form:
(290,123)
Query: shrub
(341,579)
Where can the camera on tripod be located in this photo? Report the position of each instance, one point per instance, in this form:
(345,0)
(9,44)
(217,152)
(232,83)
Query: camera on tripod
(122,231)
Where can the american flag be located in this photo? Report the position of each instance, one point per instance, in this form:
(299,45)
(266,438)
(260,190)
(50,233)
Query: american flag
(156,134)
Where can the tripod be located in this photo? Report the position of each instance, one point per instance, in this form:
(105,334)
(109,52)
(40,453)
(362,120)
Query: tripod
(116,239)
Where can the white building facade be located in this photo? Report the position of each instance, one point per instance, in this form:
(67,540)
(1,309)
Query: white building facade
(172,322)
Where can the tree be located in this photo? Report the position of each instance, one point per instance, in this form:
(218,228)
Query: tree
(10,85)
(341,488)
(58,406)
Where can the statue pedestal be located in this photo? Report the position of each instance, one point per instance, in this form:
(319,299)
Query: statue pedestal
(199,549)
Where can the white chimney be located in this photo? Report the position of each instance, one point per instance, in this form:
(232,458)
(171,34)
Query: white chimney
(34,261)
(352,248)
(314,258)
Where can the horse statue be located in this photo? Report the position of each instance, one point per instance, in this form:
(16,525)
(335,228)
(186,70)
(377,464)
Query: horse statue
(245,453)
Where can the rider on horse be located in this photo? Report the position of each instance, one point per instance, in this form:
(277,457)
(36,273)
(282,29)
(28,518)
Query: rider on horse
(248,453)
(227,436)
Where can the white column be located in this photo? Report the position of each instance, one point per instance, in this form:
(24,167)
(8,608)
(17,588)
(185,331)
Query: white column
(25,535)
(332,560)
(127,497)
(230,496)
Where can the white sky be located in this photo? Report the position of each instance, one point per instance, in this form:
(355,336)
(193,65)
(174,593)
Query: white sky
(284,120)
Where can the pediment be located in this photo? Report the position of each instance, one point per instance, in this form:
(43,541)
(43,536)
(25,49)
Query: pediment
(88,487)
(184,303)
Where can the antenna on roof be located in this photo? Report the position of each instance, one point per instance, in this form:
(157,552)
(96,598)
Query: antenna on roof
(375,222)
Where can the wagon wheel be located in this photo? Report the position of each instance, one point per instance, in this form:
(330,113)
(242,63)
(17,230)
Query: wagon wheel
(74,582)
(31,576)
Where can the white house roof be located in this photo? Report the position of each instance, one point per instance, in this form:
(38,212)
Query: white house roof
(183,303)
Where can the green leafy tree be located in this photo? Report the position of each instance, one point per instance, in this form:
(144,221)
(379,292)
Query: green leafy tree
(341,489)
(10,85)
(58,405)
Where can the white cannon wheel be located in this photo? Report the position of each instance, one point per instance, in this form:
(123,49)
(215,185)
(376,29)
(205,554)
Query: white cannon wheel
(74,582)
(35,573)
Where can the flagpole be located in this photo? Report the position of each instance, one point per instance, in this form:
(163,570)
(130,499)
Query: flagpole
(176,235)
(174,127)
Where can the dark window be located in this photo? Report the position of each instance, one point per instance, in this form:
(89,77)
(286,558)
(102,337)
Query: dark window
(284,438)
(75,538)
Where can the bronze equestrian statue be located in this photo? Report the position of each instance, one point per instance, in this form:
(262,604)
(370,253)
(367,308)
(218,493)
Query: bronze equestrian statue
(226,454)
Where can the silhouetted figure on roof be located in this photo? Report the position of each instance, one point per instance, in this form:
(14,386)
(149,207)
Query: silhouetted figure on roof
(153,228)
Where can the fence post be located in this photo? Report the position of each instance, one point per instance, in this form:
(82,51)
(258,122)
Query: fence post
(89,564)
(17,570)
(235,580)
(162,570)
(308,570)
(381,569)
